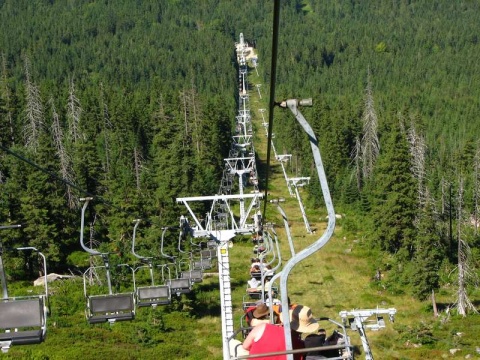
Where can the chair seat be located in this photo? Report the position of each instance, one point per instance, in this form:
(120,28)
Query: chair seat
(23,337)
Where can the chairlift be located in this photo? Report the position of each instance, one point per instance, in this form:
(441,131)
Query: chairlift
(195,275)
(177,285)
(208,254)
(334,346)
(202,264)
(23,319)
(112,306)
(153,294)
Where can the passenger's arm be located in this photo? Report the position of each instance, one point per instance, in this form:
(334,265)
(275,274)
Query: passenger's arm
(255,334)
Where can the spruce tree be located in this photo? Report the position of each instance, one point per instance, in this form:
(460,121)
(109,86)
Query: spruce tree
(394,202)
(430,250)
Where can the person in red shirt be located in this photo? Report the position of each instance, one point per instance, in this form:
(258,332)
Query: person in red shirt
(267,338)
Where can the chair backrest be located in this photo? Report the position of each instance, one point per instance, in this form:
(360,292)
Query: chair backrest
(153,292)
(180,286)
(193,275)
(21,313)
(111,303)
(202,264)
(153,295)
(180,283)
(208,254)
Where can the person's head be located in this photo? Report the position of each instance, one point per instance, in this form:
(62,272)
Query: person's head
(302,320)
(261,311)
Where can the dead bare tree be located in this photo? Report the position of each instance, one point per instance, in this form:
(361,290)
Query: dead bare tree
(196,115)
(370,143)
(192,118)
(138,165)
(417,151)
(33,110)
(66,170)
(186,114)
(74,111)
(465,273)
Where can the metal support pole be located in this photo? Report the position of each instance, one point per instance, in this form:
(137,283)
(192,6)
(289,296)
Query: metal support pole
(302,210)
(292,105)
(3,277)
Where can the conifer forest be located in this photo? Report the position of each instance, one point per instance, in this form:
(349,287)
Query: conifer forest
(133,103)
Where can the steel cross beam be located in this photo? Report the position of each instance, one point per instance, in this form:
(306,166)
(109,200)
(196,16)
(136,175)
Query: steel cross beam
(221,235)
(360,316)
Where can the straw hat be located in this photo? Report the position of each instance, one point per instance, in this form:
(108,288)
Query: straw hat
(261,311)
(301,319)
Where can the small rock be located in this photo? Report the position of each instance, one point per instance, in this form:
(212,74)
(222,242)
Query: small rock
(454,351)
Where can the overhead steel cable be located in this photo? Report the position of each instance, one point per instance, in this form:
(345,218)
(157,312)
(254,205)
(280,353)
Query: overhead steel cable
(69,183)
(273,75)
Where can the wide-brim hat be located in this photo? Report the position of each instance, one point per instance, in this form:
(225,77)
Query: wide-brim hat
(261,311)
(302,320)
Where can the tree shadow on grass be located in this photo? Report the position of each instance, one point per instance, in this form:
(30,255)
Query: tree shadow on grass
(205,298)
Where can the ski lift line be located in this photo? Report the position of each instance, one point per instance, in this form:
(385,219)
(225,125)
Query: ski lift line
(62,180)
(273,76)
(49,173)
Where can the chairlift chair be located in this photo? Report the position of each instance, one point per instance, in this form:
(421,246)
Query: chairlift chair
(195,275)
(180,286)
(335,346)
(153,294)
(23,320)
(109,307)
(177,285)
(112,306)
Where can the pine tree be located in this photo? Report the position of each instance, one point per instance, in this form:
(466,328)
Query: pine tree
(7,133)
(394,203)
(430,250)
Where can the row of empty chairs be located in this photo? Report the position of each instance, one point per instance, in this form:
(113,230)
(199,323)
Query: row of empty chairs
(168,276)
